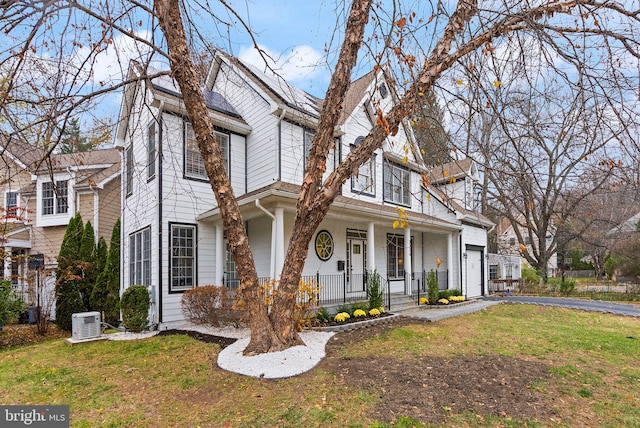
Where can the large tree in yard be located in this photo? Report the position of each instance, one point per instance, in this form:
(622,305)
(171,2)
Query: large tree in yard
(417,48)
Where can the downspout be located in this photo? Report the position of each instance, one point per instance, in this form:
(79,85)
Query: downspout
(272,268)
(160,198)
(460,258)
(278,154)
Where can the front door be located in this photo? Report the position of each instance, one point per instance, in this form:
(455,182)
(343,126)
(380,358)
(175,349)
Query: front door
(356,251)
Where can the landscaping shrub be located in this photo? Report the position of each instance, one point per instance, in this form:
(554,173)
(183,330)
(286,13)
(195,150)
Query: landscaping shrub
(447,294)
(374,290)
(323,315)
(135,308)
(210,305)
(11,306)
(432,284)
(363,306)
(106,293)
(68,275)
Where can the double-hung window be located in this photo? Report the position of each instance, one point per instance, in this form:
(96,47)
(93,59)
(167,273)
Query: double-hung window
(151,151)
(55,197)
(397,184)
(193,163)
(11,204)
(140,257)
(364,180)
(183,256)
(128,166)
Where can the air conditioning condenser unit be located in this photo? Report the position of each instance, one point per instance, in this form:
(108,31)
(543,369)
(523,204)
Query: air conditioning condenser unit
(85,325)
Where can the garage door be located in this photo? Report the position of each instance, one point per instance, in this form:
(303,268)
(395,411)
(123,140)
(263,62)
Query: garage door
(474,273)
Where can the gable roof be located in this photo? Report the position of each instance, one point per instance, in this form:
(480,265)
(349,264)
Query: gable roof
(24,154)
(355,94)
(272,85)
(628,226)
(452,170)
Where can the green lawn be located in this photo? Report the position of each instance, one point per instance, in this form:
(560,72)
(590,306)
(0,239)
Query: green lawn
(174,381)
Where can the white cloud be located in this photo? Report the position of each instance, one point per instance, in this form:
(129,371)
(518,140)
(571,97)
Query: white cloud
(300,63)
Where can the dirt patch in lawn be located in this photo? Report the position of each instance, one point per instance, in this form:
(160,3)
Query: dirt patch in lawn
(429,388)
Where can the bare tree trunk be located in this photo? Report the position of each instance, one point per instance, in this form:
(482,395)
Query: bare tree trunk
(263,338)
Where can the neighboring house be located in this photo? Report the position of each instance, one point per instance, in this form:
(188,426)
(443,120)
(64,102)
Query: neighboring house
(173,238)
(459,180)
(40,197)
(626,228)
(505,272)
(508,243)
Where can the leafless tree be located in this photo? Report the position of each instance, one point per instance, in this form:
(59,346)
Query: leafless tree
(421,46)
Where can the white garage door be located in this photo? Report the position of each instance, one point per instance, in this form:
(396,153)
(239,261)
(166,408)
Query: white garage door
(474,273)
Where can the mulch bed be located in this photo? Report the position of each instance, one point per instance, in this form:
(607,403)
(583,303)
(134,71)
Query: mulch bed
(223,342)
(25,334)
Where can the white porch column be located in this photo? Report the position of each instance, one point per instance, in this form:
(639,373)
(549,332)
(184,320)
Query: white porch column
(450,260)
(371,248)
(220,254)
(279,262)
(407,261)
(7,262)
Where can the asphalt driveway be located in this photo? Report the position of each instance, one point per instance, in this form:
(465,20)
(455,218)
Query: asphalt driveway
(584,304)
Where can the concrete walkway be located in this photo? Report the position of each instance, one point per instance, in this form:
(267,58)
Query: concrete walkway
(442,312)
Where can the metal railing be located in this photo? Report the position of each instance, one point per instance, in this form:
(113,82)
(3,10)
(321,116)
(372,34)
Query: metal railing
(330,289)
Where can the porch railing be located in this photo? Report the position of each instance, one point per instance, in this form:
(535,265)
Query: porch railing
(332,289)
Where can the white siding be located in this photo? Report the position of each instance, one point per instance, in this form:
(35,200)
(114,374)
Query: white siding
(262,143)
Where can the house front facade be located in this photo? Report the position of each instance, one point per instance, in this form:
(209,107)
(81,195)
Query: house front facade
(509,243)
(173,237)
(41,194)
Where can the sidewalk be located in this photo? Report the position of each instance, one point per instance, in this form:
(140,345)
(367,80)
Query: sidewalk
(436,314)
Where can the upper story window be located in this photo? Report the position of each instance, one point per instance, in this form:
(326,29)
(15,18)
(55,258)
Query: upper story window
(364,181)
(397,184)
(383,90)
(151,151)
(11,204)
(308,139)
(128,166)
(55,197)
(193,163)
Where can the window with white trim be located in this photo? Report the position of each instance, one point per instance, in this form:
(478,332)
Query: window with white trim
(140,257)
(193,163)
(397,184)
(364,180)
(151,151)
(183,257)
(55,197)
(11,204)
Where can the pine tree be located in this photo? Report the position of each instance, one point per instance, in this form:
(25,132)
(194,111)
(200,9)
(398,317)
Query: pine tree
(86,263)
(106,293)
(429,131)
(68,275)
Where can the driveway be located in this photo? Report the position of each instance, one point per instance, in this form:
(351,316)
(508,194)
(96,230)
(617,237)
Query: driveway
(586,305)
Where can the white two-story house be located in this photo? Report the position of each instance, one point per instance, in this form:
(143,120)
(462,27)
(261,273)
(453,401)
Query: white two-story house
(173,238)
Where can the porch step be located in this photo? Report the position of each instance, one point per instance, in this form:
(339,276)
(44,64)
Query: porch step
(402,302)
